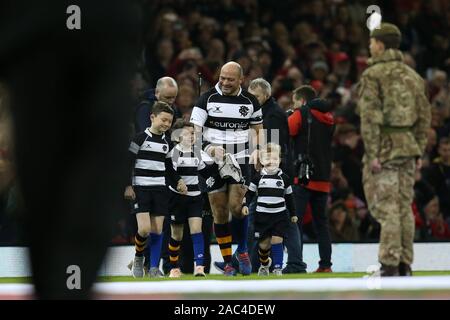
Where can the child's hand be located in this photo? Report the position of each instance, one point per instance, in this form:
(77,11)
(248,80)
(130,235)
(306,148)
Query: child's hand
(294,219)
(244,210)
(129,193)
(181,187)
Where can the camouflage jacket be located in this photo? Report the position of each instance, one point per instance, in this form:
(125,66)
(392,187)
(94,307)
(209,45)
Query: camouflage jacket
(394,109)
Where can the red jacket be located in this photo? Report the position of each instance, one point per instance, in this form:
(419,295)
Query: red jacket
(295,124)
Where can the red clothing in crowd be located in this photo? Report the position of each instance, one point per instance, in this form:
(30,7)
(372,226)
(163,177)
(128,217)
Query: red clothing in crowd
(440,230)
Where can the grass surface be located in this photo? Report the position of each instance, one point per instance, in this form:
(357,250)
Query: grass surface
(256,277)
(15,280)
(238,277)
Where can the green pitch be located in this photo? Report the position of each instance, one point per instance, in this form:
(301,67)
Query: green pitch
(256,277)
(238,277)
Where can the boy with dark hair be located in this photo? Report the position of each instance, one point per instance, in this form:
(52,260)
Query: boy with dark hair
(150,159)
(187,161)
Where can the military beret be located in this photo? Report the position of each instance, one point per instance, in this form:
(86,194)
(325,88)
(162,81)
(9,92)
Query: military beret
(385,29)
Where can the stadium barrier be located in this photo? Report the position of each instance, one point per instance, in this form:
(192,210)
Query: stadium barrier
(348,257)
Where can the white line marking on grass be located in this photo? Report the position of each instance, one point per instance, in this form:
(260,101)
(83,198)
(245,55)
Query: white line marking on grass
(297,285)
(224,286)
(16,289)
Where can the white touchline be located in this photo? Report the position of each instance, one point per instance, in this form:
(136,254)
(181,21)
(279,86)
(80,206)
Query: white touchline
(295,285)
(224,286)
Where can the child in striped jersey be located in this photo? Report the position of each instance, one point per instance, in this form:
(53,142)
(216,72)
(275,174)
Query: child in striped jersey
(150,160)
(188,161)
(274,196)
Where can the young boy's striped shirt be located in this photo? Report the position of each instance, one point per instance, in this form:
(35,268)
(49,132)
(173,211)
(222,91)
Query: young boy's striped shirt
(274,193)
(188,164)
(150,160)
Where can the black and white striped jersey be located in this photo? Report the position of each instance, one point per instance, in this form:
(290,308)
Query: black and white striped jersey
(274,193)
(188,164)
(149,159)
(226,119)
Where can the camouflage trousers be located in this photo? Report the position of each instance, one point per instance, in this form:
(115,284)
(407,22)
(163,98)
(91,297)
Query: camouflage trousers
(389,195)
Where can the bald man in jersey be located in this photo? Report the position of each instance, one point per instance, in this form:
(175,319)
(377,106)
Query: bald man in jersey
(226,115)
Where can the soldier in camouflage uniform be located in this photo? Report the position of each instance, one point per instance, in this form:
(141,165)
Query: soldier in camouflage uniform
(395,116)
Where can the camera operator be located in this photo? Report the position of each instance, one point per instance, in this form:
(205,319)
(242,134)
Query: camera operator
(311,126)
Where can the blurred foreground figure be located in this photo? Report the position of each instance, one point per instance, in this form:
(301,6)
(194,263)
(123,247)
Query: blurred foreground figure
(6,168)
(69,100)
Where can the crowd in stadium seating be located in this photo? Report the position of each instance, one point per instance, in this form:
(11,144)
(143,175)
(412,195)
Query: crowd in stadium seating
(323,43)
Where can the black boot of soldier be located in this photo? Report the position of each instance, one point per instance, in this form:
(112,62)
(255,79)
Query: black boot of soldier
(404,270)
(389,271)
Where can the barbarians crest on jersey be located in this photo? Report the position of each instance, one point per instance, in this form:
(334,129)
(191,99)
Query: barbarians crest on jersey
(243,110)
(279,184)
(164,148)
(210,182)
